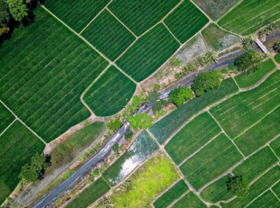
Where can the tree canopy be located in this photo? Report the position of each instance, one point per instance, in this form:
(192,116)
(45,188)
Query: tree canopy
(180,95)
(18,9)
(114,124)
(207,81)
(238,186)
(247,60)
(142,121)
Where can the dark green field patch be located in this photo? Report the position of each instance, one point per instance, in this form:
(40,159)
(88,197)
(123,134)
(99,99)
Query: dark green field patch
(243,110)
(166,126)
(194,135)
(5,118)
(100,98)
(250,77)
(209,162)
(90,194)
(148,53)
(171,195)
(108,35)
(18,145)
(76,14)
(217,191)
(185,21)
(275,145)
(140,15)
(42,81)
(267,200)
(191,200)
(255,137)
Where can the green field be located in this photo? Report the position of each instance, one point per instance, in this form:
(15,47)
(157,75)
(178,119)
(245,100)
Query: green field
(209,163)
(18,145)
(191,200)
(6,118)
(185,21)
(194,135)
(90,194)
(243,110)
(275,145)
(277,58)
(250,15)
(252,77)
(276,189)
(148,53)
(166,126)
(43,80)
(261,185)
(267,200)
(138,15)
(171,195)
(141,149)
(256,165)
(108,35)
(215,8)
(255,137)
(149,180)
(217,191)
(99,97)
(222,38)
(75,13)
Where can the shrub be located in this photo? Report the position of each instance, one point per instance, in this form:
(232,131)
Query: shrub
(247,60)
(180,95)
(114,125)
(238,186)
(142,121)
(159,105)
(153,96)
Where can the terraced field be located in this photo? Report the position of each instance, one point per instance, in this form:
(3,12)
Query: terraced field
(250,15)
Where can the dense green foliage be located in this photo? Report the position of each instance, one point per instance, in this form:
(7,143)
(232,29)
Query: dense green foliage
(138,15)
(6,118)
(180,95)
(185,21)
(166,126)
(238,186)
(18,145)
(153,96)
(190,138)
(148,53)
(18,9)
(247,61)
(114,125)
(191,200)
(252,105)
(142,121)
(197,169)
(171,195)
(207,81)
(158,106)
(100,98)
(4,17)
(76,14)
(90,194)
(108,35)
(250,15)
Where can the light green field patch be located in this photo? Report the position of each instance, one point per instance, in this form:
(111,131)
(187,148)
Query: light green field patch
(194,135)
(209,163)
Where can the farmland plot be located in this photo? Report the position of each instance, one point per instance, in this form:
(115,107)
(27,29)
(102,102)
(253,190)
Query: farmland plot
(42,81)
(250,15)
(171,195)
(185,21)
(194,135)
(275,145)
(267,200)
(140,15)
(108,35)
(191,200)
(243,110)
(261,185)
(148,53)
(276,189)
(76,14)
(18,145)
(100,98)
(166,126)
(209,163)
(255,137)
(5,118)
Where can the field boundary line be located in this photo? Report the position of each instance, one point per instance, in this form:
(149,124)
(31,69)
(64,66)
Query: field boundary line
(178,199)
(274,194)
(239,88)
(254,124)
(1,133)
(239,2)
(94,18)
(202,11)
(172,33)
(200,149)
(16,117)
(226,134)
(89,44)
(273,151)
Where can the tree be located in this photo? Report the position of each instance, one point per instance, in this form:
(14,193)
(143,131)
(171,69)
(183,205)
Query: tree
(136,102)
(4,17)
(114,125)
(238,186)
(153,96)
(18,9)
(207,81)
(180,95)
(276,47)
(142,121)
(159,105)
(247,60)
